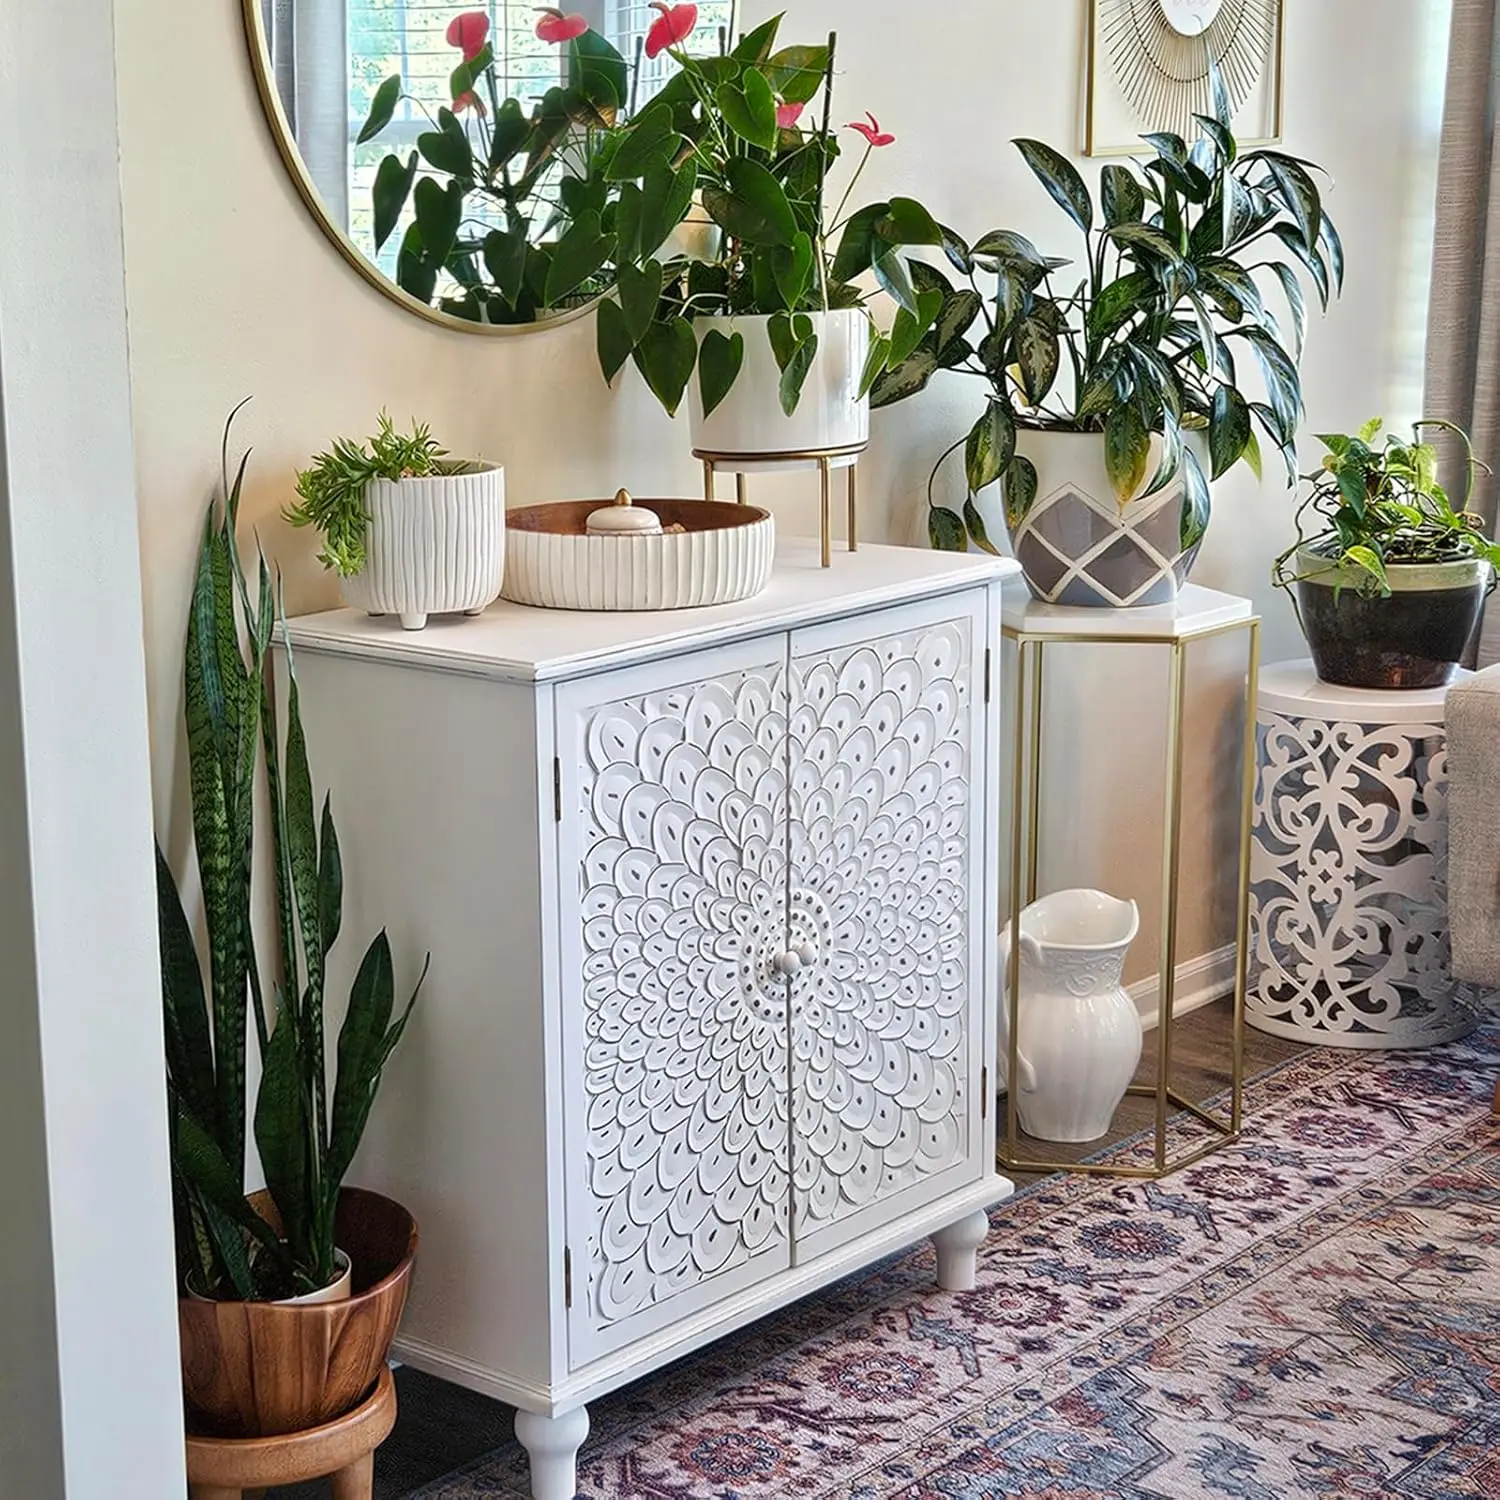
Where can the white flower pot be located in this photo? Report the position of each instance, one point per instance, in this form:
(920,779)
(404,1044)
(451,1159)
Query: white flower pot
(434,546)
(749,421)
(1077,545)
(1079,1032)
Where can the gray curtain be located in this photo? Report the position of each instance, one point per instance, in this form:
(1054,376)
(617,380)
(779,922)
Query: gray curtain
(1463,332)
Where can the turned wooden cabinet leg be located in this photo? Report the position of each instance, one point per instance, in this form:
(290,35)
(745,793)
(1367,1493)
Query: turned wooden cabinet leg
(552,1444)
(958,1252)
(357,1482)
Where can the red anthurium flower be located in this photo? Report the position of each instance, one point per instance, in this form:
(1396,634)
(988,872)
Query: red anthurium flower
(469,31)
(787,115)
(471,100)
(557,27)
(872,132)
(671,28)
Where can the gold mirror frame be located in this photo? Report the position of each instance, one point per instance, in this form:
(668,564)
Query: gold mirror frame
(286,146)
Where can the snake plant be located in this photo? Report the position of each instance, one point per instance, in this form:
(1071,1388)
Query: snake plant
(306,1132)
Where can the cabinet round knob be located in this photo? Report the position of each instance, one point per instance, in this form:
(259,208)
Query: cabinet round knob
(808,953)
(788,963)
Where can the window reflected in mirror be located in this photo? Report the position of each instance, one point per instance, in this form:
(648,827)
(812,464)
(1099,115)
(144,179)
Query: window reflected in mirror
(455,149)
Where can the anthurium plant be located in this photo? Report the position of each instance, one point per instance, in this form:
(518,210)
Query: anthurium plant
(512,209)
(1149,331)
(307,1126)
(741,146)
(1376,502)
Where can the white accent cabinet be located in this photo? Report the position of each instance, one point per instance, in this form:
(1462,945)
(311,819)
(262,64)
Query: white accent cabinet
(711,898)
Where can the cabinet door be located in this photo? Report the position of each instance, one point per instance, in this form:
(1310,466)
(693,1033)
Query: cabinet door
(672,865)
(889,746)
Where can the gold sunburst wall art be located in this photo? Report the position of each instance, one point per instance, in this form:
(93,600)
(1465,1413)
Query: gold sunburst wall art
(1149,62)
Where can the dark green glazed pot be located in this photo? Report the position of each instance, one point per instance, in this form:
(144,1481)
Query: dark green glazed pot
(1415,638)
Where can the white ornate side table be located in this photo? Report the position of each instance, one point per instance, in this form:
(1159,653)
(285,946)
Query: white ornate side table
(1349,911)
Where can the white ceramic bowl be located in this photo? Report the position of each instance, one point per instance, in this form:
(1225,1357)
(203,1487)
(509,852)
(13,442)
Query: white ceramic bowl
(724,553)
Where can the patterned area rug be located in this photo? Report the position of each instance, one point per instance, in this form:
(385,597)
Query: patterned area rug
(1315,1312)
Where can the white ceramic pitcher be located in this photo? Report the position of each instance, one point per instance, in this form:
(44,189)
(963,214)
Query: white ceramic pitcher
(1079,1031)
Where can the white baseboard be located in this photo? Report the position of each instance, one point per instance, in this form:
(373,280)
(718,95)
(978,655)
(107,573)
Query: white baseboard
(1200,982)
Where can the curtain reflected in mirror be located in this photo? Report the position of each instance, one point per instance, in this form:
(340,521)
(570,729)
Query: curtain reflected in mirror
(455,150)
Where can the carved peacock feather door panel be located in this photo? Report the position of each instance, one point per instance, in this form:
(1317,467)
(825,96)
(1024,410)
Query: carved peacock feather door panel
(886,787)
(674,827)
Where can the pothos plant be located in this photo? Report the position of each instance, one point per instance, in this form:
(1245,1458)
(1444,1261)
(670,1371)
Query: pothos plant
(512,209)
(1374,503)
(1148,333)
(725,142)
(307,1125)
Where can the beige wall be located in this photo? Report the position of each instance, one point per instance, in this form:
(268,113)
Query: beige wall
(234,291)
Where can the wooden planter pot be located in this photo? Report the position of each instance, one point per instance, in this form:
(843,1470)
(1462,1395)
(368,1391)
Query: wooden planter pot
(262,1369)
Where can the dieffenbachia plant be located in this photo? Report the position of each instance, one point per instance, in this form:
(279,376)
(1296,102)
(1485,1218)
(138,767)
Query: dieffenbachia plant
(1151,333)
(305,1131)
(724,151)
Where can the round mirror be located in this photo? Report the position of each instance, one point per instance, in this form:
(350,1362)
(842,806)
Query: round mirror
(456,153)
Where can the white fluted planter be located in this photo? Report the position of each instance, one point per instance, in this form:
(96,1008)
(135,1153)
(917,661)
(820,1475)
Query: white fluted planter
(831,416)
(434,546)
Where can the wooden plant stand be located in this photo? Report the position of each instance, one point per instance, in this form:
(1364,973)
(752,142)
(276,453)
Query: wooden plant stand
(232,1468)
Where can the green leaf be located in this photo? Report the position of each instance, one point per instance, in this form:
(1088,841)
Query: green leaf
(719,362)
(1298,192)
(283,1134)
(1016,253)
(667,357)
(393,182)
(755,46)
(792,267)
(382,107)
(615,345)
(958,253)
(1019,490)
(752,206)
(1127,446)
(505,259)
(974,524)
(602,74)
(904,380)
(1142,237)
(945,530)
(462,79)
(1038,351)
(857,246)
(1219,135)
(906,222)
(908,331)
(891,272)
(875,363)
(1310,256)
(1060,177)
(990,446)
(439,212)
(189,1044)
(666,196)
(796,73)
(794,376)
(1196,502)
(1121,196)
(330,880)
(1334,246)
(1120,301)
(651,140)
(1228,430)
(580,254)
(447,149)
(957,317)
(749,108)
(639,289)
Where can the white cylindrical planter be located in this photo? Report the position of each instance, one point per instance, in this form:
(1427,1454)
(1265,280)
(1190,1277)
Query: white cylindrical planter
(434,546)
(831,416)
(1077,545)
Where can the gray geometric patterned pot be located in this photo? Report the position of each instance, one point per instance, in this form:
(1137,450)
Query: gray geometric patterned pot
(1078,546)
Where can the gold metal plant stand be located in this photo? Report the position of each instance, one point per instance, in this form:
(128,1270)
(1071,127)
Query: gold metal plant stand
(826,460)
(1199,615)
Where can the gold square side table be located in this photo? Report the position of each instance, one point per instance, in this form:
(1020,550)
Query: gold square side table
(1198,615)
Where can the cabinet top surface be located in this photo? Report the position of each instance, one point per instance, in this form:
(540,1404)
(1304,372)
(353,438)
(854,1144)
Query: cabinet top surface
(518,643)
